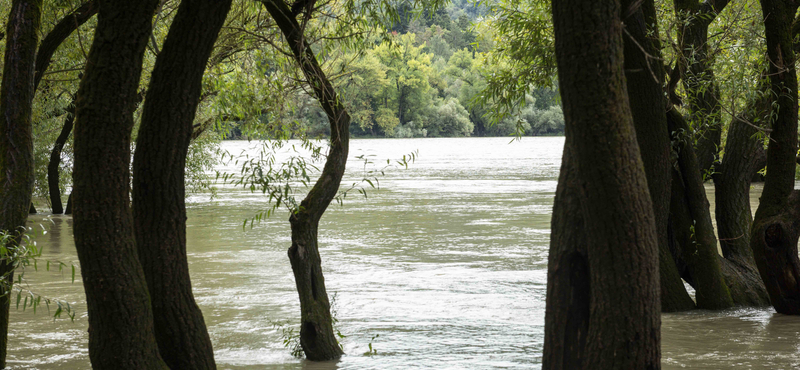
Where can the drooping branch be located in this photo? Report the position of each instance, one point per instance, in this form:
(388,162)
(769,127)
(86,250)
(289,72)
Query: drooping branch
(58,34)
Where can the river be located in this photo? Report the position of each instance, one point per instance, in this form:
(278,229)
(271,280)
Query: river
(444,266)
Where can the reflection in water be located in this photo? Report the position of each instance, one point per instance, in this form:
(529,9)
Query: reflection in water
(446,262)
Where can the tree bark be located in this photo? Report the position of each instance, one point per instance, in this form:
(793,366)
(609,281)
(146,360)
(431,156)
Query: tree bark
(159,164)
(55,161)
(16,139)
(644,75)
(777,221)
(121,333)
(316,328)
(603,309)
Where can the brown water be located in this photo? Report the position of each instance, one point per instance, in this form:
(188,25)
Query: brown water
(446,262)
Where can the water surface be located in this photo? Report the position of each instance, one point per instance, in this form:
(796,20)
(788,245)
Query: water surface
(445,264)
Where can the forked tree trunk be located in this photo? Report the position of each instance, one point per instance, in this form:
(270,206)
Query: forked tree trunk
(645,75)
(603,309)
(16,138)
(316,327)
(121,334)
(777,221)
(159,164)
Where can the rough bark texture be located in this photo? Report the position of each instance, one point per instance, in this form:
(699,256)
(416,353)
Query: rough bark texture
(645,75)
(777,221)
(693,228)
(121,334)
(16,139)
(316,330)
(159,164)
(55,161)
(58,34)
(603,309)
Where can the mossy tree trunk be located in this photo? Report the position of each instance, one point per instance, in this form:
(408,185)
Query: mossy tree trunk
(121,334)
(644,75)
(316,327)
(159,208)
(16,138)
(603,309)
(777,221)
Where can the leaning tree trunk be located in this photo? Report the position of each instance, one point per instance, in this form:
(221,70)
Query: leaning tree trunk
(121,334)
(692,223)
(603,309)
(53,173)
(16,139)
(777,221)
(645,75)
(316,327)
(159,209)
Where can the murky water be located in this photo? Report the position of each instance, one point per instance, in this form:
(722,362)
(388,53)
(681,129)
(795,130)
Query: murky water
(444,266)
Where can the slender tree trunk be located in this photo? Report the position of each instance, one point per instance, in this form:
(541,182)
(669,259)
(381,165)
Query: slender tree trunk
(603,309)
(316,327)
(777,221)
(121,333)
(159,186)
(16,139)
(55,161)
(68,210)
(645,75)
(58,34)
(697,75)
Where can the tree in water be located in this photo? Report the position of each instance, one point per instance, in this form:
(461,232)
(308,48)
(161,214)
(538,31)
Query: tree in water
(16,140)
(603,308)
(316,325)
(777,221)
(159,209)
(121,333)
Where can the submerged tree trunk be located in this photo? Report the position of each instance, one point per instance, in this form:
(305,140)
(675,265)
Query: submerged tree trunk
(603,309)
(644,75)
(316,327)
(55,161)
(16,139)
(777,221)
(121,334)
(159,164)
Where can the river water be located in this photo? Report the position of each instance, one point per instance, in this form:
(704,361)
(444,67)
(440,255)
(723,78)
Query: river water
(444,266)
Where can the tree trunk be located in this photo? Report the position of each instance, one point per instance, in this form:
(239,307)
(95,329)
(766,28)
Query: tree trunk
(121,334)
(16,139)
(693,227)
(645,75)
(159,164)
(68,210)
(595,317)
(777,221)
(55,161)
(316,327)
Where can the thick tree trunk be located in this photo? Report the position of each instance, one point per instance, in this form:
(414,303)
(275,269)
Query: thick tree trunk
(55,161)
(16,138)
(68,210)
(645,75)
(159,186)
(121,333)
(595,316)
(777,221)
(316,327)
